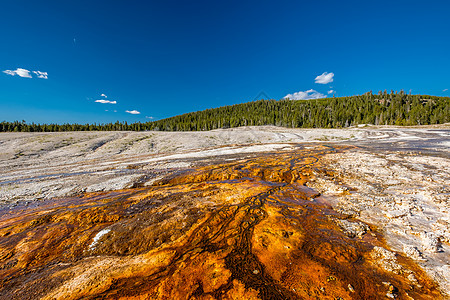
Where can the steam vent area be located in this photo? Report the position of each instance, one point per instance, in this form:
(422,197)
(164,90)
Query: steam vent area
(313,220)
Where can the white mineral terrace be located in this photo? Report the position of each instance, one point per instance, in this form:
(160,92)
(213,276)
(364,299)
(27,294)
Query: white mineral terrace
(397,178)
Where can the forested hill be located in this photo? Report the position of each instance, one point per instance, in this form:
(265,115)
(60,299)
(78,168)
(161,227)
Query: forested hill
(379,109)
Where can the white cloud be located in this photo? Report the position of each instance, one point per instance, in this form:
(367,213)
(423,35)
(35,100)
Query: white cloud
(26,74)
(133,112)
(444,90)
(309,94)
(325,78)
(103,95)
(43,75)
(19,71)
(9,72)
(147,117)
(105,101)
(331,92)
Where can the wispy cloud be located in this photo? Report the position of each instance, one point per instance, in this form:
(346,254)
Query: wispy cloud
(325,78)
(105,101)
(331,92)
(20,72)
(43,75)
(444,90)
(307,95)
(26,73)
(133,112)
(103,95)
(147,117)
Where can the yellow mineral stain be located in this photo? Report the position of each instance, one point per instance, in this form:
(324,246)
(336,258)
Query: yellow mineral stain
(248,229)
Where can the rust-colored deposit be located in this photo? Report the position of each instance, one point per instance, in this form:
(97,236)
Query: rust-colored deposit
(249,229)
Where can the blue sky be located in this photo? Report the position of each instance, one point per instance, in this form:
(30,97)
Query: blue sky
(163,58)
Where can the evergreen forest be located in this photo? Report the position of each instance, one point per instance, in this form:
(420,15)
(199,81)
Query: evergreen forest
(378,109)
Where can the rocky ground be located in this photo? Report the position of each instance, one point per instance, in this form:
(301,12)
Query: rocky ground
(407,195)
(396,179)
(46,165)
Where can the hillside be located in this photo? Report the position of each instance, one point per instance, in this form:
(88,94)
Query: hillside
(380,109)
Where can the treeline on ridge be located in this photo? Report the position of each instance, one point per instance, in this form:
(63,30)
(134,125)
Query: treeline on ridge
(378,109)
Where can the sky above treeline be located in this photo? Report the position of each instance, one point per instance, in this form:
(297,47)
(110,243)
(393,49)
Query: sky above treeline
(106,61)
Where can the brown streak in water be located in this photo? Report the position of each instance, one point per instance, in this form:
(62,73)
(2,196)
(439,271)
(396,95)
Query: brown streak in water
(249,229)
